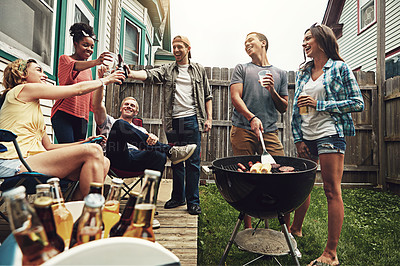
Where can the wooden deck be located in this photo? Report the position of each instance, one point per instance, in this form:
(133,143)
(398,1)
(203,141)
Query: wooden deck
(178,231)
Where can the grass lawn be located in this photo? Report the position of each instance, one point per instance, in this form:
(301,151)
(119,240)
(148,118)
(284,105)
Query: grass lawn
(370,234)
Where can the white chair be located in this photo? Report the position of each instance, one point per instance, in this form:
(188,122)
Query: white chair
(116,251)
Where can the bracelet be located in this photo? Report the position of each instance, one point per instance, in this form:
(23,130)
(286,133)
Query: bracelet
(102,82)
(251,119)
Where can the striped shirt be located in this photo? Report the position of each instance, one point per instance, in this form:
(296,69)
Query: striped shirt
(78,106)
(343,96)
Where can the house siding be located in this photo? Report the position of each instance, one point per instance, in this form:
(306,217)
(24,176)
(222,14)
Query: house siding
(105,43)
(359,49)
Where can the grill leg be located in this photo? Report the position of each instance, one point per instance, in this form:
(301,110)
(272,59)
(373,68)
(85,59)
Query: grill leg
(286,233)
(234,233)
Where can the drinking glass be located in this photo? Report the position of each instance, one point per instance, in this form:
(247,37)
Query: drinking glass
(110,62)
(262,74)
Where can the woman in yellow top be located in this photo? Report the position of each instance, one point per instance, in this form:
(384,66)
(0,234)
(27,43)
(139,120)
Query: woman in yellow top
(21,113)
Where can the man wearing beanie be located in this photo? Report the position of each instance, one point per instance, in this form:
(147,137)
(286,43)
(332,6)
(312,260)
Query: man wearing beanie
(187,113)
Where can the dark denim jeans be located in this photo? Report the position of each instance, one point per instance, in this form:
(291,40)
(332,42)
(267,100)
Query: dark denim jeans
(186,131)
(68,128)
(147,157)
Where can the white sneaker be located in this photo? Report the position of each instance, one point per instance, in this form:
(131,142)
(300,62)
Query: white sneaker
(181,153)
(156,224)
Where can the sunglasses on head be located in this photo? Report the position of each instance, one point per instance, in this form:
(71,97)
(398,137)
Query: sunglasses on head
(316,24)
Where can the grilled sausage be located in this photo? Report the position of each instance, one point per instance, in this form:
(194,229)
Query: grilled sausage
(286,169)
(241,166)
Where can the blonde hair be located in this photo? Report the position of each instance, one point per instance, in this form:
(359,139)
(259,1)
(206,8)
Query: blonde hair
(130,98)
(13,75)
(15,72)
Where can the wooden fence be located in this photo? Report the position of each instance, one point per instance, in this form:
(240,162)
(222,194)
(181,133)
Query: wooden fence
(361,159)
(392,133)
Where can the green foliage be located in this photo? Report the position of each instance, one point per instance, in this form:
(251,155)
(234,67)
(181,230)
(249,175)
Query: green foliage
(370,233)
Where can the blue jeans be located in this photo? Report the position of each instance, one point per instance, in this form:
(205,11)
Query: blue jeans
(329,144)
(186,131)
(68,128)
(151,157)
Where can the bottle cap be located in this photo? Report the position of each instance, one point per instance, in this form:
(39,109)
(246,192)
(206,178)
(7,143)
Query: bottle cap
(43,186)
(117,181)
(14,192)
(96,184)
(94,200)
(152,173)
(134,194)
(53,179)
(43,202)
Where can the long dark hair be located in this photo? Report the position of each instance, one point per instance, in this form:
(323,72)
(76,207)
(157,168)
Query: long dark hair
(326,40)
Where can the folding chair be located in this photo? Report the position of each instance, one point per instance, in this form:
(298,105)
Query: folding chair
(118,173)
(30,178)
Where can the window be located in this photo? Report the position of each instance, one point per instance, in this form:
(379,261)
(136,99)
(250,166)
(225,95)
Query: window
(28,26)
(80,16)
(366,14)
(392,66)
(131,45)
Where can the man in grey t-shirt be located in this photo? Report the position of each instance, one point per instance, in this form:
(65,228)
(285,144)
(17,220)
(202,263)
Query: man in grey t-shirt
(256,102)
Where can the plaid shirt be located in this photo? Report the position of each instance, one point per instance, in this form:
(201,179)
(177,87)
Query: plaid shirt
(167,74)
(343,96)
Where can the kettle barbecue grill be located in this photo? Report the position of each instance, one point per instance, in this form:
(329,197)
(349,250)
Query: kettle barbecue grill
(264,196)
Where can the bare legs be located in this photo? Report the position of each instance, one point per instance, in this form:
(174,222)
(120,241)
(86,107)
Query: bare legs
(332,172)
(83,162)
(298,219)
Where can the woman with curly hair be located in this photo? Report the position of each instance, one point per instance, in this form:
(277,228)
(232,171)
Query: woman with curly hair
(70,116)
(21,114)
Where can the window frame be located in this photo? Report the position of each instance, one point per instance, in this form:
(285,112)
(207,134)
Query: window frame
(395,53)
(360,30)
(126,16)
(11,53)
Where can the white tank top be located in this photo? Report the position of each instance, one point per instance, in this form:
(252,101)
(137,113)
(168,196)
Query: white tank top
(315,124)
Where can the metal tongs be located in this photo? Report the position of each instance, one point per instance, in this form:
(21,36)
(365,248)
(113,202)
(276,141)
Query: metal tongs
(265,157)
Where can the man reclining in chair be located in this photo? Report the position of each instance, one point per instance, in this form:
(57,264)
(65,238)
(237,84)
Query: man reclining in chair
(130,147)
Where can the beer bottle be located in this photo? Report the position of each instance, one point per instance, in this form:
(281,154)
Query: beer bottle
(62,216)
(90,222)
(111,207)
(27,228)
(143,214)
(43,190)
(126,218)
(45,214)
(95,188)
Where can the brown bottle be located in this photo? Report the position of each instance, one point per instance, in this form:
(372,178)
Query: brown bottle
(142,220)
(126,218)
(45,214)
(27,229)
(96,188)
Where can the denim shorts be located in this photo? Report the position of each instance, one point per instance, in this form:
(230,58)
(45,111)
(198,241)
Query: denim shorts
(9,167)
(329,144)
